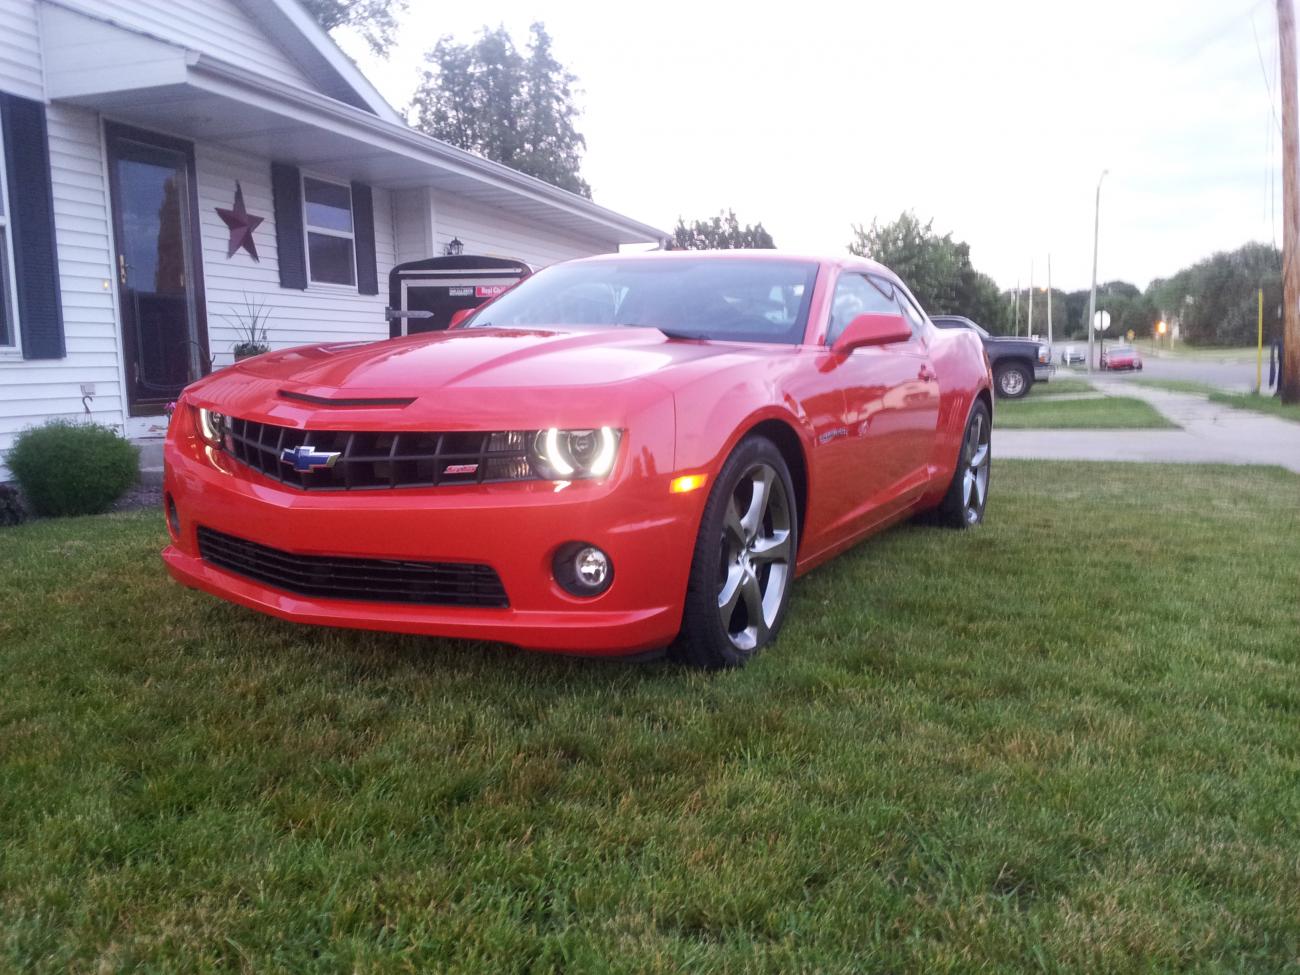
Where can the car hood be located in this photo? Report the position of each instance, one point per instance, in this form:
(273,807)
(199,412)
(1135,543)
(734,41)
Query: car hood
(473,373)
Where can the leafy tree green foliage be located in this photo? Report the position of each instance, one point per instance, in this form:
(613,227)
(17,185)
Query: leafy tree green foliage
(1060,312)
(722,232)
(509,106)
(1216,301)
(375,20)
(936,268)
(73,468)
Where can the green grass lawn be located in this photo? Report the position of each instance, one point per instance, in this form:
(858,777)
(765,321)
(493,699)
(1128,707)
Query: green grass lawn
(1057,387)
(1181,350)
(1067,741)
(1242,401)
(1111,413)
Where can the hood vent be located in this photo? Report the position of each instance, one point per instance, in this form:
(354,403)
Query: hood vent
(350,401)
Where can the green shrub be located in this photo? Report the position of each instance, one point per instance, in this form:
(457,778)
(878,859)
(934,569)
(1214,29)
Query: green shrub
(73,468)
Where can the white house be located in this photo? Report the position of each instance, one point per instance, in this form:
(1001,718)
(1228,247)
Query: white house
(127,125)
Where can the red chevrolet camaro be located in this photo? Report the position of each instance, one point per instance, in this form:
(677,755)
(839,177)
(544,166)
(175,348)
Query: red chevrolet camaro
(620,454)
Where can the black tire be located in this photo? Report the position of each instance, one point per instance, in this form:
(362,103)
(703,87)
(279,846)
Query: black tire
(1013,380)
(957,510)
(705,641)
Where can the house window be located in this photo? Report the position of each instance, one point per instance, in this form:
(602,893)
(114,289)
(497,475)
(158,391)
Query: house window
(327,219)
(8,317)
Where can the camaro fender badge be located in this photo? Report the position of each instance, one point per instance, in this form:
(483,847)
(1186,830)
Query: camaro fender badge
(830,435)
(308,458)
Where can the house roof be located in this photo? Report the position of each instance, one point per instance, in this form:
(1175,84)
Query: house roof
(167,87)
(333,73)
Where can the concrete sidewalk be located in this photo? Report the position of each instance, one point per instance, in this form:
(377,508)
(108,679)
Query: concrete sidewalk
(1210,434)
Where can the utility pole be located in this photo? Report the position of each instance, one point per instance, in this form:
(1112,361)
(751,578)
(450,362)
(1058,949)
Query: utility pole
(1096,231)
(1015,317)
(1049,303)
(1029,322)
(1289,387)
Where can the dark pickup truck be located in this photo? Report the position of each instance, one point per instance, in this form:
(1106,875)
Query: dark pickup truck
(1017,363)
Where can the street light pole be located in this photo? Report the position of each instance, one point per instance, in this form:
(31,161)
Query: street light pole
(1092,293)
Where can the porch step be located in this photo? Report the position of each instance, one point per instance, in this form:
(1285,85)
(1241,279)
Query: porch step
(151,460)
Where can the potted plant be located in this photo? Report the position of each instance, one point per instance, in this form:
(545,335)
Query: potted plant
(249,323)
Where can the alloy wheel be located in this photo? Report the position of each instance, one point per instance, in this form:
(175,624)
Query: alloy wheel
(755,556)
(975,479)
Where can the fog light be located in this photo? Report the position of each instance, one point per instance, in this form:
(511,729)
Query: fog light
(173,518)
(583,569)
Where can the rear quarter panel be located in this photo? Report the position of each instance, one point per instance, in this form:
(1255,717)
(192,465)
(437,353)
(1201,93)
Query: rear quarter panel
(964,373)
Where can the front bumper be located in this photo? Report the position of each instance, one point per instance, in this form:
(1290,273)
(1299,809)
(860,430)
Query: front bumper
(515,528)
(1043,372)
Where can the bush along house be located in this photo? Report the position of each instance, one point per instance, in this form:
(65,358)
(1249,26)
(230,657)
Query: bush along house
(182,177)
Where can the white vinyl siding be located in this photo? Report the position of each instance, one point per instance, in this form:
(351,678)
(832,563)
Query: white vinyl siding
(35,390)
(319,314)
(493,232)
(216,27)
(20,49)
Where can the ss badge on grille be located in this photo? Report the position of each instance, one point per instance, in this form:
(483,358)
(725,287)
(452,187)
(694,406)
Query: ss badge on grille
(307,458)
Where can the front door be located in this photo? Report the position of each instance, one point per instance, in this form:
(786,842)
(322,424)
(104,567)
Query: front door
(159,282)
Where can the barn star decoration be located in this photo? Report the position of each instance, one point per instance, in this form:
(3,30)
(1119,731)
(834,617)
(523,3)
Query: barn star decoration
(241,224)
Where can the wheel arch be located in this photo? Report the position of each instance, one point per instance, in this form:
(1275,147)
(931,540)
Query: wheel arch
(786,439)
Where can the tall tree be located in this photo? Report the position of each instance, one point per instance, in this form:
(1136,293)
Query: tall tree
(722,232)
(935,267)
(512,107)
(374,20)
(1216,301)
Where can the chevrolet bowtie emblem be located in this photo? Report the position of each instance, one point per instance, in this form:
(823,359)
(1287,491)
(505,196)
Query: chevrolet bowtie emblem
(308,458)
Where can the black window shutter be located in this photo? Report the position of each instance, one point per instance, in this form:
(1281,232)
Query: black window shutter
(286,194)
(363,228)
(31,224)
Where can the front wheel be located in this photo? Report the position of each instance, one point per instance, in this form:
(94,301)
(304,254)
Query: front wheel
(1013,381)
(968,493)
(744,560)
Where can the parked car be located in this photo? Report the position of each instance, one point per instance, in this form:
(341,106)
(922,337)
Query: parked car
(619,454)
(1072,355)
(1017,363)
(1121,357)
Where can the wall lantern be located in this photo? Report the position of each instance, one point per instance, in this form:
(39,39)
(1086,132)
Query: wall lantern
(455,247)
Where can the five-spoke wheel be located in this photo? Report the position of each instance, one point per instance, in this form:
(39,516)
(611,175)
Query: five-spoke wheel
(744,560)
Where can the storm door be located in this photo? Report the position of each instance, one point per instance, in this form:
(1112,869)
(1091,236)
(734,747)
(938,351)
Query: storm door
(158,274)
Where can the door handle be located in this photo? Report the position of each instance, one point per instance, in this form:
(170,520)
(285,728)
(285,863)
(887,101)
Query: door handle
(121,268)
(926,374)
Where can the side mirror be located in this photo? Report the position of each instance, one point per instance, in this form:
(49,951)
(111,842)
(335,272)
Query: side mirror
(875,329)
(460,315)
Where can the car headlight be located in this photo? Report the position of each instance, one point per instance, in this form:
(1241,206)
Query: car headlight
(567,455)
(211,425)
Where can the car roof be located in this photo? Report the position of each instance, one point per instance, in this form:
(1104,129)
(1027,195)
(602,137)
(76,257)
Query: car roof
(766,254)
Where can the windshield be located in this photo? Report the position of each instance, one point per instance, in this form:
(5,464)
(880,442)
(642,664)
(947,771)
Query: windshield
(731,299)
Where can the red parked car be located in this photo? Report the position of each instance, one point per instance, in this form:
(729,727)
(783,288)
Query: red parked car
(1121,357)
(619,454)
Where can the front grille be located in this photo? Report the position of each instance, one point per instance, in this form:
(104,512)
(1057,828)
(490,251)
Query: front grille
(369,460)
(372,580)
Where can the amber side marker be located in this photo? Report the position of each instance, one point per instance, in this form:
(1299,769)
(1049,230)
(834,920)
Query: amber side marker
(687,482)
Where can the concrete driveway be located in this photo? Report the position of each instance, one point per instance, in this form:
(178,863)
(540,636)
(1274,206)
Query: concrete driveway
(1210,434)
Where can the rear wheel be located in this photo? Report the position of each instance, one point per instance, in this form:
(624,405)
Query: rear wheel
(963,505)
(743,562)
(1013,381)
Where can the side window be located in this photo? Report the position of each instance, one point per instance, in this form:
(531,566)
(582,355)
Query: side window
(327,212)
(911,313)
(858,294)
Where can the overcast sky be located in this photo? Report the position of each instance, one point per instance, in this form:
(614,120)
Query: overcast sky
(994,119)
